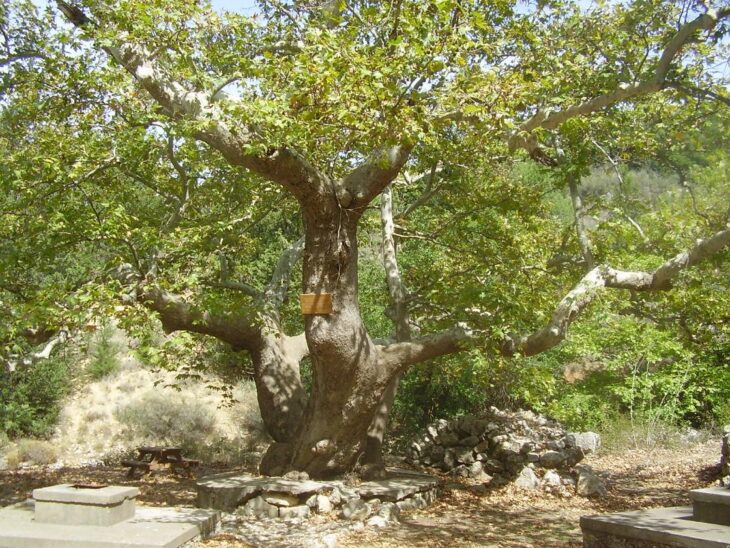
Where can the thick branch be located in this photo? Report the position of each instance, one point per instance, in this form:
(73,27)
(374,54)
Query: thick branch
(584,241)
(178,315)
(282,165)
(369,179)
(50,345)
(278,286)
(393,278)
(606,277)
(552,119)
(243,287)
(400,355)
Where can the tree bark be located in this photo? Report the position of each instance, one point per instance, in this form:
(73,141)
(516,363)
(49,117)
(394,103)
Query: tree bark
(584,241)
(373,463)
(348,378)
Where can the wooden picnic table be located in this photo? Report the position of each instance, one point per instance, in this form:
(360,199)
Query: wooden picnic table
(152,458)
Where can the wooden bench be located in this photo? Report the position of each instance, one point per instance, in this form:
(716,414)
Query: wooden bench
(160,458)
(184,465)
(135,465)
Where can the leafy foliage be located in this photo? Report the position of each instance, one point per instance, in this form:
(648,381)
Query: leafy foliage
(31,396)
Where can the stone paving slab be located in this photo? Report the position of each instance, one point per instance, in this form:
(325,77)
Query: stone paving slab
(397,486)
(664,526)
(227,491)
(151,527)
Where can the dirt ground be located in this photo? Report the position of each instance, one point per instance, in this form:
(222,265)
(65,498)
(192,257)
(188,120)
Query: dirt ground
(504,517)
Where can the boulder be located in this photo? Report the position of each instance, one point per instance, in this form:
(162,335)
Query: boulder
(291,512)
(321,504)
(447,439)
(281,499)
(470,441)
(464,455)
(527,479)
(589,442)
(589,484)
(552,459)
(551,479)
(257,507)
(389,512)
(356,509)
(377,521)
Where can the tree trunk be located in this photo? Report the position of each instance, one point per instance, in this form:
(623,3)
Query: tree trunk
(374,465)
(349,378)
(281,396)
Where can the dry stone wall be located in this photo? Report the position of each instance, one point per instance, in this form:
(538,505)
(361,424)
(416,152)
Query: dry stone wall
(504,446)
(295,496)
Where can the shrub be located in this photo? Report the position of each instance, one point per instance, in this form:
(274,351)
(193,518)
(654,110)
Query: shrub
(35,452)
(159,419)
(645,432)
(30,397)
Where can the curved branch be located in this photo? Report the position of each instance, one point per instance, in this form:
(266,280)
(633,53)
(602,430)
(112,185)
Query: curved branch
(369,179)
(522,138)
(281,165)
(4,61)
(606,277)
(400,355)
(428,191)
(176,314)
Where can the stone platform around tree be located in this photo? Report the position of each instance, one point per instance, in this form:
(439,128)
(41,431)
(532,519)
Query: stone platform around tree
(151,527)
(296,496)
(706,524)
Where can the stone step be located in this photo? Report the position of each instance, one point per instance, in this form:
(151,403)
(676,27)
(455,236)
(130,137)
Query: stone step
(658,528)
(711,505)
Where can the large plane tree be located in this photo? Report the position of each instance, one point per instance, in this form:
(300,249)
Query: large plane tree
(204,125)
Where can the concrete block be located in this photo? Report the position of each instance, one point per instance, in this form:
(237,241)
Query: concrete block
(652,528)
(69,505)
(151,527)
(711,505)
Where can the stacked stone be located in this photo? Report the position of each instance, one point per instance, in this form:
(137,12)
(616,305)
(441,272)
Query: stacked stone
(294,496)
(496,448)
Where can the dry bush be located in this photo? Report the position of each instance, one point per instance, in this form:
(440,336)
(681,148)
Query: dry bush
(96,414)
(624,433)
(168,419)
(33,452)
